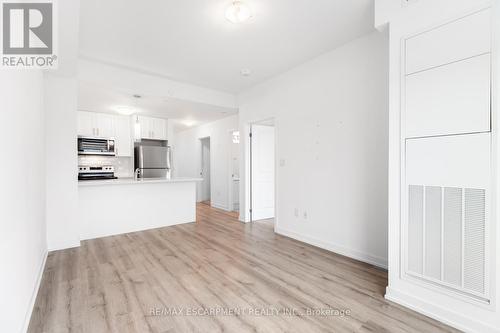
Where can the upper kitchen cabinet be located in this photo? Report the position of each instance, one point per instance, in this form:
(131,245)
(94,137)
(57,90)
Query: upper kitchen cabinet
(123,136)
(85,123)
(153,128)
(95,124)
(107,126)
(455,41)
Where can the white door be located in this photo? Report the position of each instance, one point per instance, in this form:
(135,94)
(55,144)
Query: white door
(262,172)
(205,170)
(235,170)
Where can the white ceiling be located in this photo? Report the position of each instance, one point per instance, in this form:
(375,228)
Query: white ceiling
(191,41)
(184,114)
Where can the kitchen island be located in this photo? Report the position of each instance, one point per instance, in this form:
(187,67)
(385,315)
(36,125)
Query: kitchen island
(111,207)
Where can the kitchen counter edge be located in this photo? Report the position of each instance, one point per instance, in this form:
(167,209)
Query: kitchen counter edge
(132,181)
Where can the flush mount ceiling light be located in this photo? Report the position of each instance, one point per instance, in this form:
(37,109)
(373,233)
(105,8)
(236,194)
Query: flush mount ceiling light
(245,72)
(125,110)
(238,12)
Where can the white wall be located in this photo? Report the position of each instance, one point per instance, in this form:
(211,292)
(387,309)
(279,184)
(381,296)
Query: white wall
(331,134)
(187,156)
(60,94)
(23,245)
(403,21)
(62,173)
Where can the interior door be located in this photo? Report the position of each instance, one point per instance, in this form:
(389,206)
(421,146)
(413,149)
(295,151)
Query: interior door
(205,170)
(262,172)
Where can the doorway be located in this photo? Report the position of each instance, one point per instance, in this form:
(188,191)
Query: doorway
(262,170)
(204,193)
(234,187)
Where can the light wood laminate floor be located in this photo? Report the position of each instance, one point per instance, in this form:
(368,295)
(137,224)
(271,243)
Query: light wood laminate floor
(136,282)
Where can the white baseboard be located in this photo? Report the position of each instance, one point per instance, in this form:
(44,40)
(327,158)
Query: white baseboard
(221,207)
(64,246)
(354,254)
(438,312)
(35,293)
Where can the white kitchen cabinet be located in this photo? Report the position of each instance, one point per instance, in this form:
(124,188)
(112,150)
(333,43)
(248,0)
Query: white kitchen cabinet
(123,136)
(95,124)
(107,126)
(153,128)
(145,124)
(104,125)
(85,123)
(159,129)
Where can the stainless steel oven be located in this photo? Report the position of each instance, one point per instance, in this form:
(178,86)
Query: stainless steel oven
(90,172)
(96,146)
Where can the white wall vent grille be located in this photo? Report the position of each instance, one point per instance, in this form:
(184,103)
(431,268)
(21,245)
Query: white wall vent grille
(432,247)
(415,229)
(474,240)
(446,241)
(452,236)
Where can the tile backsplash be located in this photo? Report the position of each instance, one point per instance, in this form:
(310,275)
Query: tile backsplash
(124,166)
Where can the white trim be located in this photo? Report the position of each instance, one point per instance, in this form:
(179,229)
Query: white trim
(64,246)
(354,254)
(31,306)
(221,207)
(442,314)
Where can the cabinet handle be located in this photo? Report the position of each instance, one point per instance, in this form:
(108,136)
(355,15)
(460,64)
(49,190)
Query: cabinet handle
(97,132)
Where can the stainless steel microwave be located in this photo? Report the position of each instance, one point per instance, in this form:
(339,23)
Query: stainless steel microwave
(96,146)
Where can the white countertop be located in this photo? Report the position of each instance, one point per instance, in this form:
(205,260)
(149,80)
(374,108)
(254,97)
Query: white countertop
(128,181)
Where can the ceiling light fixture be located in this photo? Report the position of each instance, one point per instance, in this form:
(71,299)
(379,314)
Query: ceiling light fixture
(245,72)
(125,110)
(238,12)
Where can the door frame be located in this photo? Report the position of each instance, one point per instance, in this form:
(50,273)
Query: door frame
(200,166)
(246,215)
(230,173)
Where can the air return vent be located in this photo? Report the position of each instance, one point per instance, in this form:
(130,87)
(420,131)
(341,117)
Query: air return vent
(474,240)
(446,241)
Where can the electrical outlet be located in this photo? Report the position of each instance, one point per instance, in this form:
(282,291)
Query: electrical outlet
(296,212)
(282,163)
(305,215)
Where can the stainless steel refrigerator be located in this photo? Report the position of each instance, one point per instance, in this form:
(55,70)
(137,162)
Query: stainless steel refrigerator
(153,162)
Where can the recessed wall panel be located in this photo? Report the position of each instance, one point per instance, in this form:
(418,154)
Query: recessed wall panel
(452,99)
(453,41)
